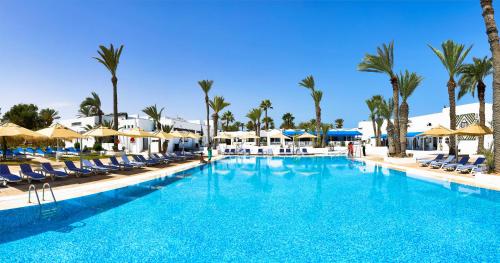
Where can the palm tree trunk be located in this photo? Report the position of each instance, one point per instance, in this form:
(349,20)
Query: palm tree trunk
(208,121)
(158,127)
(265,115)
(481,89)
(215,118)
(395,98)
(404,111)
(4,147)
(453,115)
(492,32)
(375,132)
(114,80)
(318,124)
(390,138)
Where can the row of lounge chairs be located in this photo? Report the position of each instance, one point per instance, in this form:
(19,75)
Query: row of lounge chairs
(21,153)
(96,166)
(260,151)
(450,163)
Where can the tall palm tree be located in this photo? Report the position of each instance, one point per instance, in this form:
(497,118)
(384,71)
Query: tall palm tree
(472,78)
(383,62)
(287,121)
(227,118)
(452,58)
(238,125)
(386,111)
(407,83)
(110,58)
(373,104)
(255,115)
(266,105)
(92,106)
(269,121)
(155,114)
(217,104)
(205,86)
(325,127)
(47,117)
(492,32)
(317,95)
(339,123)
(84,112)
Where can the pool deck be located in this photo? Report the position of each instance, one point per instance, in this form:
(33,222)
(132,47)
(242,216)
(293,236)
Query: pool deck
(487,181)
(16,195)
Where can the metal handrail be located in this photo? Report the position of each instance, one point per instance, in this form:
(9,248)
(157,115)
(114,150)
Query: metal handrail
(47,185)
(32,186)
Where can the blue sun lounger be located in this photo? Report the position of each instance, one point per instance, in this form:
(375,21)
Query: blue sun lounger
(453,166)
(7,177)
(30,175)
(48,169)
(71,167)
(88,165)
(126,160)
(111,167)
(440,164)
(438,158)
(140,158)
(123,166)
(466,168)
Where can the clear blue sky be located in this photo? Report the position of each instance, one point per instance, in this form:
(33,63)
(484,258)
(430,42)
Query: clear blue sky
(253,50)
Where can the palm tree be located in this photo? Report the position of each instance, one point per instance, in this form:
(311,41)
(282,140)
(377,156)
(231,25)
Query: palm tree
(472,78)
(205,86)
(317,95)
(110,57)
(452,57)
(92,106)
(227,117)
(373,104)
(155,114)
(255,115)
(47,116)
(84,112)
(407,83)
(339,123)
(238,125)
(265,105)
(269,121)
(383,62)
(492,32)
(386,110)
(287,121)
(325,127)
(217,104)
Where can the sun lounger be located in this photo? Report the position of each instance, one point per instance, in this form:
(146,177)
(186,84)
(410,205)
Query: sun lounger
(170,157)
(282,151)
(71,168)
(440,164)
(140,158)
(466,168)
(453,166)
(260,151)
(233,151)
(7,177)
(479,169)
(123,166)
(29,151)
(158,159)
(247,151)
(48,169)
(137,164)
(111,167)
(438,158)
(97,169)
(288,151)
(29,174)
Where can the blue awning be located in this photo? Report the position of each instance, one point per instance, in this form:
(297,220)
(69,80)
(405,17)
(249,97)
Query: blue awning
(408,135)
(332,133)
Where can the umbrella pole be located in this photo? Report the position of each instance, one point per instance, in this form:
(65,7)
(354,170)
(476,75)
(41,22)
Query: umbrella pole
(81,151)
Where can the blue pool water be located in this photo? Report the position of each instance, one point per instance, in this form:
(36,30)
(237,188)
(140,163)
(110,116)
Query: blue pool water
(310,209)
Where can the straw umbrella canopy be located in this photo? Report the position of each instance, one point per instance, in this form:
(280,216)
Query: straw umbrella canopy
(279,136)
(163,135)
(223,136)
(138,133)
(58,131)
(178,134)
(306,135)
(474,130)
(10,129)
(102,131)
(193,136)
(438,132)
(248,136)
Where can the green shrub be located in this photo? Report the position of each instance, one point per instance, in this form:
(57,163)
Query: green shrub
(77,145)
(97,147)
(490,158)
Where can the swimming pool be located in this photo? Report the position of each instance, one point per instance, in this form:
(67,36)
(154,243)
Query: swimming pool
(263,209)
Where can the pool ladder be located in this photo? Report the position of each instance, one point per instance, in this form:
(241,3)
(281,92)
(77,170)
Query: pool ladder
(45,186)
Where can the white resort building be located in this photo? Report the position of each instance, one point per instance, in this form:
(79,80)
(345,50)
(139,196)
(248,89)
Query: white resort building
(137,145)
(467,114)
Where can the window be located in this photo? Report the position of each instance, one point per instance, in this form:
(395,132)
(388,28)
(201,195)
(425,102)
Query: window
(76,124)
